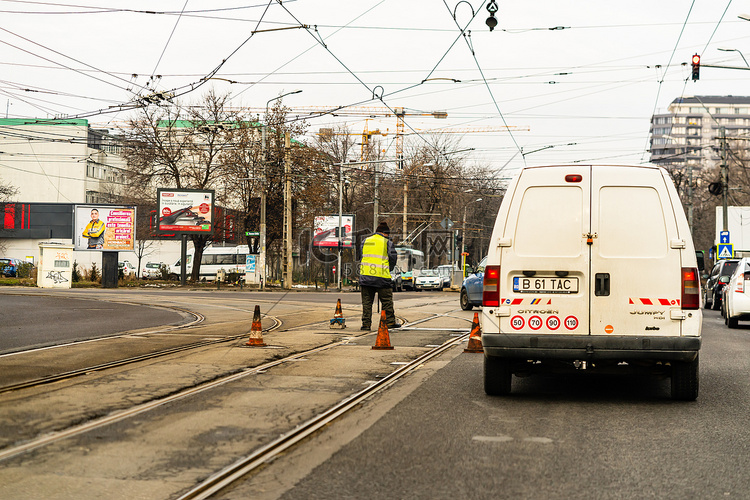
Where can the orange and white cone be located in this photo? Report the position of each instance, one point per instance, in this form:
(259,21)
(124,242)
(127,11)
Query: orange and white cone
(256,331)
(383,341)
(337,313)
(338,316)
(475,338)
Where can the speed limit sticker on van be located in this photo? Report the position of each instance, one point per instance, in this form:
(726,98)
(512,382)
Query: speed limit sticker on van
(522,284)
(517,322)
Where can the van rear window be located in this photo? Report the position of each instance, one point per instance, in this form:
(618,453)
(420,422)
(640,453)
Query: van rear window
(631,222)
(550,222)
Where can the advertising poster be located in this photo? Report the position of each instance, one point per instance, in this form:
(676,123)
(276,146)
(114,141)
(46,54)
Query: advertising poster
(185,211)
(104,228)
(250,261)
(325,232)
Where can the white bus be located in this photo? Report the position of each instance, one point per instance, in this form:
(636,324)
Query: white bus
(229,259)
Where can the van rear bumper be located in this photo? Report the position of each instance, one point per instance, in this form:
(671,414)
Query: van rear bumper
(590,347)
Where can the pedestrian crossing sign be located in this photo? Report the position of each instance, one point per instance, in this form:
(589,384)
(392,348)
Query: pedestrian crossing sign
(725,251)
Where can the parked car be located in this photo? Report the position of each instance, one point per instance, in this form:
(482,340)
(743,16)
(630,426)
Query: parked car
(428,279)
(444,272)
(737,294)
(397,283)
(152,271)
(127,268)
(471,288)
(718,277)
(10,267)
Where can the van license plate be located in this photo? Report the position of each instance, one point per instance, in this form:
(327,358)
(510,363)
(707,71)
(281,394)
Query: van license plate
(522,284)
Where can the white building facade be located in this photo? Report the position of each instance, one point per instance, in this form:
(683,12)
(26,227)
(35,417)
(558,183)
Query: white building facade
(64,161)
(688,134)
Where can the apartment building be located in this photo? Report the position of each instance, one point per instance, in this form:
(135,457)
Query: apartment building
(688,134)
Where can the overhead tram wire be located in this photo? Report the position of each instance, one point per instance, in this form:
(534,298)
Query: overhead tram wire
(174,28)
(185,89)
(381,98)
(717,26)
(489,89)
(666,69)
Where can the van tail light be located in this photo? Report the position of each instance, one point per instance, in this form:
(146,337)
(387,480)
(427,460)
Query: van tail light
(491,286)
(691,288)
(740,287)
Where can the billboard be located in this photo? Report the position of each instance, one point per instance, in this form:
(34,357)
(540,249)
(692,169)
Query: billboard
(326,234)
(104,228)
(185,210)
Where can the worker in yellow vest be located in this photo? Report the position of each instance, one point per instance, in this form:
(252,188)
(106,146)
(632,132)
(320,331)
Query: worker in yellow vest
(378,258)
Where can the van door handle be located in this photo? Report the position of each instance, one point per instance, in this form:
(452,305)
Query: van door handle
(601,284)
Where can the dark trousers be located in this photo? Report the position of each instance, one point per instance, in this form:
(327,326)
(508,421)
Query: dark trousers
(386,299)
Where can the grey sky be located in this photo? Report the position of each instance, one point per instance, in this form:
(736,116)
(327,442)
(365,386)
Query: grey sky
(585,90)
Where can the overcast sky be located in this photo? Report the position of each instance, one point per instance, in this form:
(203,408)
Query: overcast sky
(575,81)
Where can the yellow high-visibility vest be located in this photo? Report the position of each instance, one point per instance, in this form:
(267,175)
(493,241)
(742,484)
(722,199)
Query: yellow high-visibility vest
(375,257)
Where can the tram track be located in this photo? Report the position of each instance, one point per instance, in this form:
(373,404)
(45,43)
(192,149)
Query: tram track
(131,360)
(242,467)
(50,438)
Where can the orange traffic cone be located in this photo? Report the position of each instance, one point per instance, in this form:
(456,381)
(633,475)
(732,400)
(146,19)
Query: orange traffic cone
(383,341)
(256,331)
(338,316)
(475,338)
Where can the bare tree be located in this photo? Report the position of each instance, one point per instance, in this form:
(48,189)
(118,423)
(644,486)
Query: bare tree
(182,147)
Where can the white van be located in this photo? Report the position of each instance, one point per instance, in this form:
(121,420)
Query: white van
(215,258)
(591,268)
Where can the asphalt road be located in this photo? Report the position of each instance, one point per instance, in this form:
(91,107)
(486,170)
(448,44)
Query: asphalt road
(35,320)
(554,437)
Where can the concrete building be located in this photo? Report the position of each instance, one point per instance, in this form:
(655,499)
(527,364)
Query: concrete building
(66,162)
(688,134)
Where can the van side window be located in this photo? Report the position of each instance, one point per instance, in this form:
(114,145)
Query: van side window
(642,234)
(208,259)
(561,209)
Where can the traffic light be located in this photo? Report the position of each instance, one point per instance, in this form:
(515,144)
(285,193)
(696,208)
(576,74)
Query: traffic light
(696,62)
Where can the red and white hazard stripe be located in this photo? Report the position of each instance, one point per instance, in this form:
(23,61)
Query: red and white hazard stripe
(654,302)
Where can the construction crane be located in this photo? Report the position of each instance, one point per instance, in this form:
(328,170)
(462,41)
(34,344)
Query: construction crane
(366,134)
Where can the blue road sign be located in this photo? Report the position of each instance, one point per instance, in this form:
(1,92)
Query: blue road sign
(724,251)
(724,237)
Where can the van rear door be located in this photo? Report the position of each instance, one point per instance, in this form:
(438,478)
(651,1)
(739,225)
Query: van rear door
(544,257)
(590,251)
(635,259)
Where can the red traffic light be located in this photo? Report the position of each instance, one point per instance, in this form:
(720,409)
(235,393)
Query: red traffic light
(696,62)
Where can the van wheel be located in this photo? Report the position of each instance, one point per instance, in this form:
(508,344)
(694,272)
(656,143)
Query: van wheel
(685,380)
(497,376)
(732,322)
(464,299)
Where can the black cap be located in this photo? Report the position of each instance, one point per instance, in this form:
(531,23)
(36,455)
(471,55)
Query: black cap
(383,228)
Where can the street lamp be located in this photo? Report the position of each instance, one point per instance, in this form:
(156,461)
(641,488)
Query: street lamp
(738,51)
(262,236)
(463,237)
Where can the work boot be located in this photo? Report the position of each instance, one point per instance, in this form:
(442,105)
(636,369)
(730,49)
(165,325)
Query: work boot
(365,327)
(394,326)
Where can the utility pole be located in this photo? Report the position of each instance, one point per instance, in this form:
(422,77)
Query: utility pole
(340,227)
(690,197)
(406,198)
(376,202)
(263,187)
(724,178)
(287,244)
